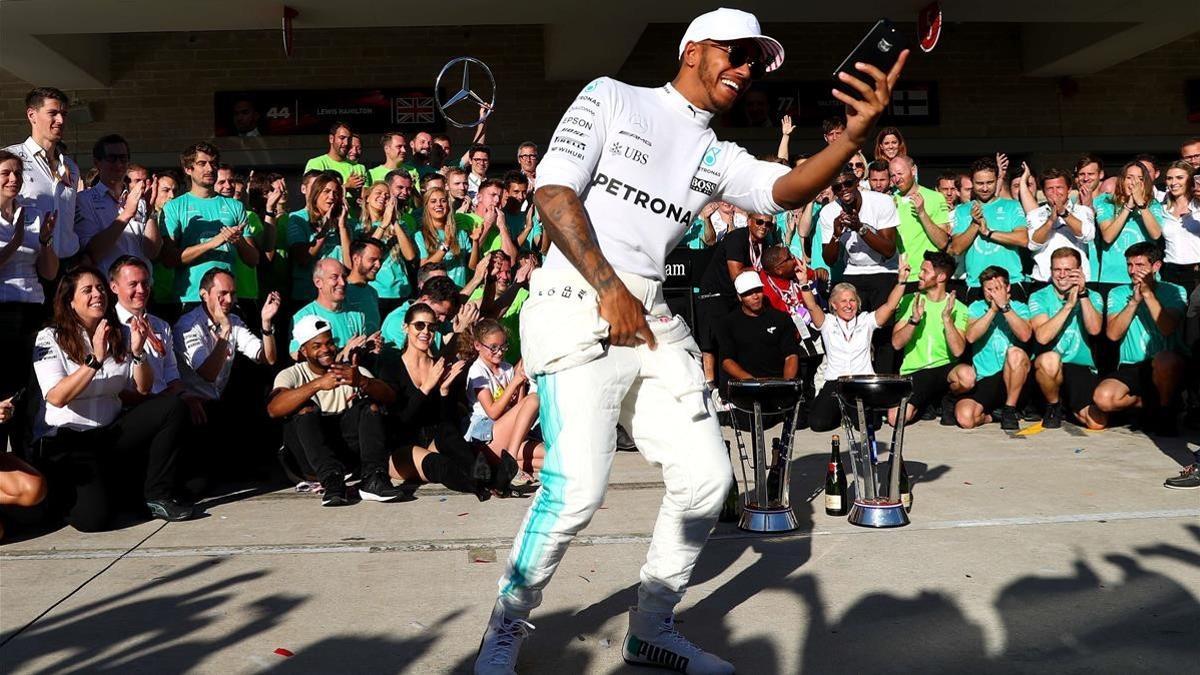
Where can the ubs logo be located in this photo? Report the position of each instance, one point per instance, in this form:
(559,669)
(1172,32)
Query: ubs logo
(628,152)
(710,157)
(884,46)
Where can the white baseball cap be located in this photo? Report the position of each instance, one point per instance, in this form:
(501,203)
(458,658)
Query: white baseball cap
(308,327)
(746,282)
(726,25)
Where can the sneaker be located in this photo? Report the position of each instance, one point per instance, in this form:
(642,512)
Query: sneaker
(378,488)
(624,440)
(948,418)
(1188,479)
(501,643)
(1054,415)
(1008,418)
(653,641)
(170,510)
(1029,413)
(524,483)
(335,493)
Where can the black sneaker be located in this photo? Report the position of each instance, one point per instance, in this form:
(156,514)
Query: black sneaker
(335,493)
(378,488)
(1029,413)
(1008,418)
(1188,479)
(1054,416)
(170,510)
(948,418)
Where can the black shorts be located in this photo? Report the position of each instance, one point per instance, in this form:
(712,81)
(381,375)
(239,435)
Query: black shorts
(929,385)
(1139,377)
(1078,385)
(709,311)
(989,392)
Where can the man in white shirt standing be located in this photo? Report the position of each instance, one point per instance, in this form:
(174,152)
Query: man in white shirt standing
(861,227)
(50,177)
(625,172)
(1056,224)
(110,217)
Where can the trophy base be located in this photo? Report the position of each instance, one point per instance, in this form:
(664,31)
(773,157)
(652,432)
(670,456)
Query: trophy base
(878,514)
(770,520)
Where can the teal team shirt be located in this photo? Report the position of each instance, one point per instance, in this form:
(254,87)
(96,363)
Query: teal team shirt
(1109,266)
(190,220)
(344,324)
(365,300)
(1003,215)
(456,265)
(393,332)
(990,350)
(391,281)
(1143,339)
(300,231)
(1072,342)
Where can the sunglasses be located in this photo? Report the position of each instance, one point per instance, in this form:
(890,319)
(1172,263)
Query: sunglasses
(496,349)
(421,325)
(842,184)
(740,55)
(761,221)
(857,165)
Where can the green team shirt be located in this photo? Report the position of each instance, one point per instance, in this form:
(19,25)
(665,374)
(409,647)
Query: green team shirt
(1143,339)
(393,332)
(365,300)
(343,167)
(1003,215)
(914,241)
(300,231)
(191,220)
(245,275)
(344,324)
(380,172)
(1109,266)
(456,265)
(1072,342)
(928,348)
(990,351)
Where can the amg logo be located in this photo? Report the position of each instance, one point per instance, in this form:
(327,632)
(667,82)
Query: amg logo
(634,136)
(663,657)
(574,120)
(704,187)
(654,204)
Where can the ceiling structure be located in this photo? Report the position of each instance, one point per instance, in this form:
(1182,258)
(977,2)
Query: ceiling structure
(67,41)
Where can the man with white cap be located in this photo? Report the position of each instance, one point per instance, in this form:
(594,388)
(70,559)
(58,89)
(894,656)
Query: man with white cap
(625,170)
(331,409)
(756,339)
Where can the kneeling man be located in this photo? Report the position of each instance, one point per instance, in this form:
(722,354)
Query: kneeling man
(999,326)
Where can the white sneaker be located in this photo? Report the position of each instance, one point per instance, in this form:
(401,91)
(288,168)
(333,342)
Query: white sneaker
(653,641)
(501,643)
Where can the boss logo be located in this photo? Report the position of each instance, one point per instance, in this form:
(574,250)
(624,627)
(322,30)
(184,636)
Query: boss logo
(704,187)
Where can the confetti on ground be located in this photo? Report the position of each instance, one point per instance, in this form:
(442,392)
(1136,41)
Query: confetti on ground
(967,482)
(463,514)
(1078,450)
(1035,428)
(482,555)
(442,499)
(284,652)
(418,625)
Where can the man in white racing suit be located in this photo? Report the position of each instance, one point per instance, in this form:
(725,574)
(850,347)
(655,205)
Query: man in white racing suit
(625,172)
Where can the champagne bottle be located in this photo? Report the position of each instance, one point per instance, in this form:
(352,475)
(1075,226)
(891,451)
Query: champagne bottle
(906,497)
(729,511)
(837,501)
(775,474)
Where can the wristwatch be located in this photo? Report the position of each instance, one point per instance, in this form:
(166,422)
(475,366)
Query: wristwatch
(914,321)
(1004,309)
(445,248)
(138,359)
(92,362)
(268,331)
(806,288)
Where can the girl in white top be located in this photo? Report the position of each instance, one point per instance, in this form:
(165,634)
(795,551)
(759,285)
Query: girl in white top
(89,446)
(846,333)
(1181,227)
(25,254)
(503,408)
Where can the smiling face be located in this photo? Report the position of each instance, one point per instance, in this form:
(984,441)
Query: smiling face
(330,280)
(983,184)
(845,304)
(11,179)
(436,204)
(420,330)
(222,294)
(368,262)
(1178,183)
(1056,189)
(845,190)
(396,149)
(1089,176)
(132,288)
(320,350)
(758,224)
(89,301)
(491,347)
(927,276)
(49,120)
(377,197)
(480,161)
(1140,264)
(1062,272)
(720,84)
(355,149)
(889,146)
(224,185)
(421,143)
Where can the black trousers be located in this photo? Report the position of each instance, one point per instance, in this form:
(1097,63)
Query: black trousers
(92,472)
(320,442)
(19,323)
(873,291)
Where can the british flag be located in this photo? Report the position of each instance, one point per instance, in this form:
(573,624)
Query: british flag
(414,110)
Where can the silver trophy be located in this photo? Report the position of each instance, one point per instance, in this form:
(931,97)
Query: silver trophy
(466,92)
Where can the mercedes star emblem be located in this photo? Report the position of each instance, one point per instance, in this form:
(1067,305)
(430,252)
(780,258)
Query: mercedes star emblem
(465,93)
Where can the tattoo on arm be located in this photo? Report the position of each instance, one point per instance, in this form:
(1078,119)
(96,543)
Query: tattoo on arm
(566,222)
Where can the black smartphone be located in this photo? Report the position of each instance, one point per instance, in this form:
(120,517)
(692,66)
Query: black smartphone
(880,48)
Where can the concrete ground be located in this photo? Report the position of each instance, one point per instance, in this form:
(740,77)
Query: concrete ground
(1052,552)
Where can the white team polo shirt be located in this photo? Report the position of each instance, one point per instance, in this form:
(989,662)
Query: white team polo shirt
(95,210)
(51,191)
(848,345)
(98,405)
(163,363)
(1060,236)
(1182,236)
(877,212)
(18,275)
(195,337)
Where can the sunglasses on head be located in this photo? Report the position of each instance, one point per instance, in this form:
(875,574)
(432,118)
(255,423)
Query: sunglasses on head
(740,55)
(421,325)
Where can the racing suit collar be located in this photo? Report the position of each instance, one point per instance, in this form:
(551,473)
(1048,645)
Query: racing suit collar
(685,107)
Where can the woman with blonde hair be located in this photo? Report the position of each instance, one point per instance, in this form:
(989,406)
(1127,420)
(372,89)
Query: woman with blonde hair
(441,241)
(1181,227)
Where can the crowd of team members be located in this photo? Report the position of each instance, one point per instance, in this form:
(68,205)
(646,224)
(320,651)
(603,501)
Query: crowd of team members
(1062,296)
(401,287)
